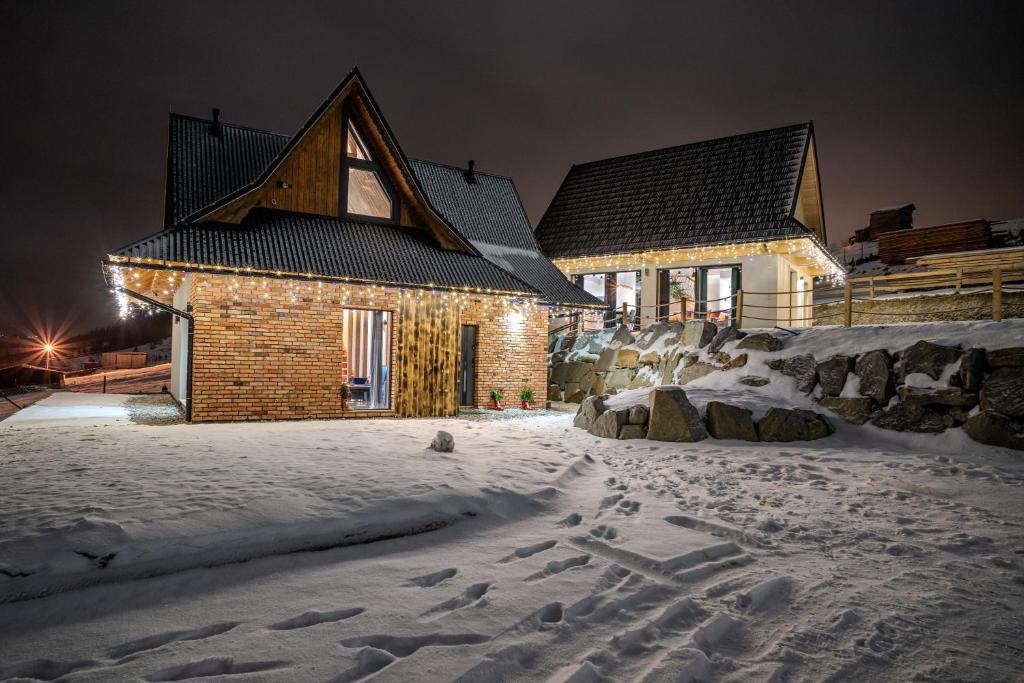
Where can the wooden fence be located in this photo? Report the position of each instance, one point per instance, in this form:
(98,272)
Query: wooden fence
(877,289)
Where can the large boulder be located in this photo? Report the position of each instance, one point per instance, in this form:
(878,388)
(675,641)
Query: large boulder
(622,337)
(639,415)
(946,396)
(577,369)
(754,381)
(575,396)
(855,410)
(904,417)
(730,422)
(619,379)
(728,363)
(1003,392)
(608,423)
(632,431)
(695,371)
(587,379)
(598,387)
(558,372)
(1006,358)
(645,338)
(802,368)
(554,392)
(874,370)
(699,333)
(606,359)
(762,341)
(972,369)
(785,424)
(996,429)
(671,362)
(557,357)
(590,409)
(673,417)
(832,374)
(568,342)
(723,337)
(627,358)
(649,358)
(927,358)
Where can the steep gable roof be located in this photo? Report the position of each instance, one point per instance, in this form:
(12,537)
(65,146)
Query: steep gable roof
(736,189)
(202,167)
(490,214)
(354,93)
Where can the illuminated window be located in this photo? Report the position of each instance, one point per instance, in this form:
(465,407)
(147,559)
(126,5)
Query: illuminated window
(364,190)
(366,194)
(354,147)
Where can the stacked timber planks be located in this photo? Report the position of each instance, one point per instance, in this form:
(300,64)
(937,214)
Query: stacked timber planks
(896,247)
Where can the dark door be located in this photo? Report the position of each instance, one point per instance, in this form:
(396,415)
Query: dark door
(467,366)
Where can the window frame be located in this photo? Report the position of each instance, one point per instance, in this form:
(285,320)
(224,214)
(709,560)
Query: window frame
(373,165)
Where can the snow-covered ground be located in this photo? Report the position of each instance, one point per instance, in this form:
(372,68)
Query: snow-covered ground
(534,551)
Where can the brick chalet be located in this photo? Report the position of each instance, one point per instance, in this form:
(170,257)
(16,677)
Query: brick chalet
(293,264)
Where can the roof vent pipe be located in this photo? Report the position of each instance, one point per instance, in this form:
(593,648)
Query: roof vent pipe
(215,127)
(468,174)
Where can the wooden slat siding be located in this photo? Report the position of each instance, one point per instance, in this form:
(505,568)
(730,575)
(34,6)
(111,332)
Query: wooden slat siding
(896,247)
(429,344)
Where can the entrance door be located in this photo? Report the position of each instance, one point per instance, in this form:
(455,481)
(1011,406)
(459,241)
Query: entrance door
(467,366)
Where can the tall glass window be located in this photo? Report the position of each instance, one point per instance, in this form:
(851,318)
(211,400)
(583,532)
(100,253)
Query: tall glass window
(365,191)
(367,339)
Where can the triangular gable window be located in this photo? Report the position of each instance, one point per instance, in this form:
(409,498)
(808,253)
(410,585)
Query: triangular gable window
(365,189)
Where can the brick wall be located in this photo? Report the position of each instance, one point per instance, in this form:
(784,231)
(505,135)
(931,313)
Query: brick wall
(511,353)
(269,349)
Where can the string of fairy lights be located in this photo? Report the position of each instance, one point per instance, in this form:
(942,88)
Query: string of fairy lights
(801,248)
(244,285)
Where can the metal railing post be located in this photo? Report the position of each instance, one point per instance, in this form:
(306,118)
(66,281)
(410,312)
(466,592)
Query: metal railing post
(739,309)
(997,294)
(848,304)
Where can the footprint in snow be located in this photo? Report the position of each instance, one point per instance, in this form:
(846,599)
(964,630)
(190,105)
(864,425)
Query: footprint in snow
(628,507)
(134,647)
(572,520)
(428,580)
(468,597)
(308,619)
(606,532)
(214,666)
(527,551)
(557,567)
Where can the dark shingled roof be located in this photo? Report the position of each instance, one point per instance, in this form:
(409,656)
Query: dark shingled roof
(272,240)
(490,215)
(202,168)
(735,189)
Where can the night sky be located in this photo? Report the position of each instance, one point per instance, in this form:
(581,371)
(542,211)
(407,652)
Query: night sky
(912,101)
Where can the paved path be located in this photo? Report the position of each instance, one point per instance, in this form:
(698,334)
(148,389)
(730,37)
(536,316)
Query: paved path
(66,409)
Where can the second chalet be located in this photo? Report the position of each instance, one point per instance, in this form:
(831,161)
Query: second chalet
(677,233)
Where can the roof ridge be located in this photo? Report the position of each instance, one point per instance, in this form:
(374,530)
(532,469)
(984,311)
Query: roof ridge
(459,168)
(232,125)
(807,124)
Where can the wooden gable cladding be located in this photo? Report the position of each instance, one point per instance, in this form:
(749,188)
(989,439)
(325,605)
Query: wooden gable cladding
(808,206)
(308,178)
(426,359)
